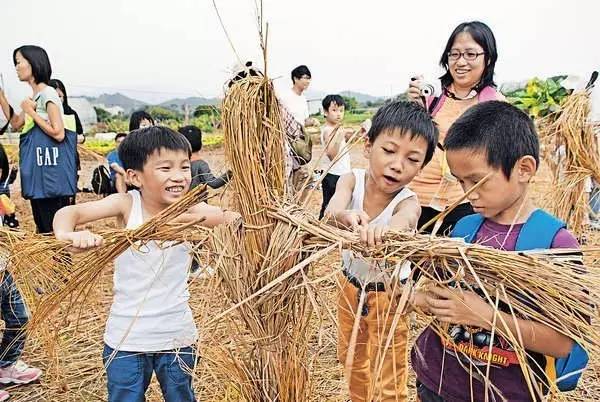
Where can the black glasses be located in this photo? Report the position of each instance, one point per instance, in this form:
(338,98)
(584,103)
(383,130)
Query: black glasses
(469,55)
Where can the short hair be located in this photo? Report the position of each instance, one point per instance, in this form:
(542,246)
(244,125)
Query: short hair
(329,99)
(136,119)
(483,35)
(39,61)
(406,117)
(138,145)
(194,135)
(497,128)
(120,135)
(299,72)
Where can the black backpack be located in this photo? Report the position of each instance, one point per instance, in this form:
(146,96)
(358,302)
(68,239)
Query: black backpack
(101,183)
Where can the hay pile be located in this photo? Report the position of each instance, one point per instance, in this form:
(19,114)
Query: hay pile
(571,149)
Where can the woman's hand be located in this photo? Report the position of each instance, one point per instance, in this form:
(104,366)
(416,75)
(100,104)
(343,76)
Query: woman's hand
(28,106)
(414,89)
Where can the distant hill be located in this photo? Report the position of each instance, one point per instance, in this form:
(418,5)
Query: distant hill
(193,101)
(360,97)
(128,104)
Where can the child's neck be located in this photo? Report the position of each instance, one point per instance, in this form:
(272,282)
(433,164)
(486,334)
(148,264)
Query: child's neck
(196,156)
(517,213)
(150,207)
(330,124)
(374,199)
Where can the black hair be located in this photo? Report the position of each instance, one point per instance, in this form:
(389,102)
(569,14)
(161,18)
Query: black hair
(120,135)
(483,35)
(329,99)
(39,61)
(136,119)
(499,129)
(406,117)
(138,145)
(248,71)
(299,72)
(194,135)
(58,84)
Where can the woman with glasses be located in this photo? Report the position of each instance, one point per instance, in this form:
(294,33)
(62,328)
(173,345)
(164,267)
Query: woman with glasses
(469,59)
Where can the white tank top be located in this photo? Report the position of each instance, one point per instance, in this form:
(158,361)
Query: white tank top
(343,165)
(364,269)
(150,310)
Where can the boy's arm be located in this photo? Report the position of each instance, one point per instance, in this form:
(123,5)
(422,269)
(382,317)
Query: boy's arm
(332,145)
(67,219)
(468,308)
(406,215)
(210,215)
(337,212)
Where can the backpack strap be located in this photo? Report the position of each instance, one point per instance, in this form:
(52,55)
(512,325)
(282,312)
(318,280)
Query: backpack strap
(467,227)
(539,231)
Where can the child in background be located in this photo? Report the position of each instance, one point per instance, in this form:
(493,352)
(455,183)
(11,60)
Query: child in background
(201,172)
(333,109)
(150,327)
(400,142)
(118,175)
(490,137)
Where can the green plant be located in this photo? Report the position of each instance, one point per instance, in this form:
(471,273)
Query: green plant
(539,97)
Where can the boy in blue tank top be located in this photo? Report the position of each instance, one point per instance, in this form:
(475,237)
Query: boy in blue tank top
(150,327)
(400,142)
(492,137)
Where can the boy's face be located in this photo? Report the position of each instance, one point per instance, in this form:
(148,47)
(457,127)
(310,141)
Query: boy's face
(165,178)
(499,198)
(302,83)
(395,159)
(335,113)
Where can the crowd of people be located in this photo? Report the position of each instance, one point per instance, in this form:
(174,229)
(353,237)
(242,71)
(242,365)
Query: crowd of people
(423,155)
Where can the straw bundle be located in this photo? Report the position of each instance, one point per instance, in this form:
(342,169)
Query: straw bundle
(570,128)
(562,291)
(272,366)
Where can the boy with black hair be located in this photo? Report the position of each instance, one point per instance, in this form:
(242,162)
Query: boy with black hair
(150,327)
(491,137)
(201,172)
(400,142)
(335,148)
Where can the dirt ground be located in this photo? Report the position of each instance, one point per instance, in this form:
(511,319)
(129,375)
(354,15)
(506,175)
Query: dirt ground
(80,375)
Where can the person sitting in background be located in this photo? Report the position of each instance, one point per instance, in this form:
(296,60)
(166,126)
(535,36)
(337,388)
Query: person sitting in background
(140,119)
(201,172)
(117,173)
(68,110)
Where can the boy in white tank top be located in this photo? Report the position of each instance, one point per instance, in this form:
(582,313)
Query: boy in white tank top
(150,327)
(400,142)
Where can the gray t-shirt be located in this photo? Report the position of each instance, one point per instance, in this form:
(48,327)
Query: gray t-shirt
(46,95)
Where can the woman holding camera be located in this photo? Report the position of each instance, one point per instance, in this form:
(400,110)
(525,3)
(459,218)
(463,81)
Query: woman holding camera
(469,59)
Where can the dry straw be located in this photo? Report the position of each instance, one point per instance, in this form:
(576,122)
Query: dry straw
(570,130)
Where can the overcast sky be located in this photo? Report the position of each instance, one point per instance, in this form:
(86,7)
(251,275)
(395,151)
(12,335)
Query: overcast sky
(157,49)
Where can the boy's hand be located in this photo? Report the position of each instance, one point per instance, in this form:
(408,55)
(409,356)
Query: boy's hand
(459,307)
(81,241)
(372,235)
(353,219)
